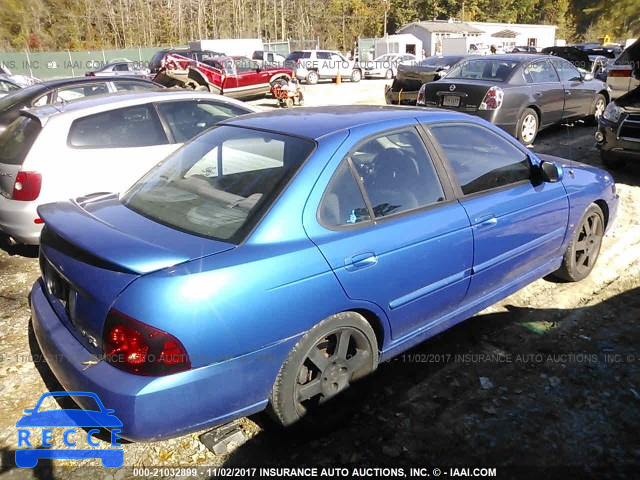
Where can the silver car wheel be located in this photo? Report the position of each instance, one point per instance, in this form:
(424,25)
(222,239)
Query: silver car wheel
(599,108)
(529,128)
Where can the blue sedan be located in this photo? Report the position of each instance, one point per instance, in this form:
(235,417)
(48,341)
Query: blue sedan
(279,257)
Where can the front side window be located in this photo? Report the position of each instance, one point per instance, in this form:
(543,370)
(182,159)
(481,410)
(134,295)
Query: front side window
(137,126)
(221,184)
(566,71)
(6,87)
(481,159)
(188,118)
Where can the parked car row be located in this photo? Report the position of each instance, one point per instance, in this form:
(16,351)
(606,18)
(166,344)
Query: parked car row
(356,232)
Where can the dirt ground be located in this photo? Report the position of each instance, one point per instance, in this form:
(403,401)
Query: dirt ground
(548,377)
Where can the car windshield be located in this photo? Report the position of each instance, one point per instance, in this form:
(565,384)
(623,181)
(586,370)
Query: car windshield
(496,70)
(439,62)
(220,184)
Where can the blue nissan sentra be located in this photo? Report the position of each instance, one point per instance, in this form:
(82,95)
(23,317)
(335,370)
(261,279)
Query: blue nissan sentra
(279,257)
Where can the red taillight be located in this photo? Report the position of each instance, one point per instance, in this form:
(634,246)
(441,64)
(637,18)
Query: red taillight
(27,186)
(619,73)
(138,348)
(493,99)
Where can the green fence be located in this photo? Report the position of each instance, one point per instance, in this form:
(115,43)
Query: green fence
(49,65)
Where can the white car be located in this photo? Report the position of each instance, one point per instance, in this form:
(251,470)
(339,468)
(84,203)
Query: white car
(386,66)
(10,83)
(624,74)
(314,65)
(97,144)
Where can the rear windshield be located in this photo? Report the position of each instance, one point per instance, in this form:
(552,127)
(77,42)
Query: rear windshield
(496,70)
(439,62)
(17,139)
(220,184)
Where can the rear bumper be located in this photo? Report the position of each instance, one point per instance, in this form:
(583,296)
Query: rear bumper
(400,98)
(17,221)
(152,408)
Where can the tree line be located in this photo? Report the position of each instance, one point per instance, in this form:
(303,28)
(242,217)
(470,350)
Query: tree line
(41,25)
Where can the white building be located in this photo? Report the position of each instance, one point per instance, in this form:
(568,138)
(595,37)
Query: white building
(502,35)
(509,35)
(401,43)
(432,33)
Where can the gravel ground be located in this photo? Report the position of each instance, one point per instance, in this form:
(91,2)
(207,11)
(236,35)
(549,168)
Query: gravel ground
(549,376)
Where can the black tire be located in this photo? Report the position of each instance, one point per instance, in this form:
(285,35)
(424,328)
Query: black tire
(584,248)
(300,98)
(320,367)
(599,104)
(611,160)
(312,77)
(356,75)
(528,125)
(388,74)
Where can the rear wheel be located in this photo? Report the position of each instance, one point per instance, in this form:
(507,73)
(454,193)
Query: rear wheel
(312,78)
(527,128)
(388,74)
(326,361)
(584,248)
(356,75)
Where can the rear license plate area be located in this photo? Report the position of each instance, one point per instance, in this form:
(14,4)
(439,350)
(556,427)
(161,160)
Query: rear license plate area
(451,101)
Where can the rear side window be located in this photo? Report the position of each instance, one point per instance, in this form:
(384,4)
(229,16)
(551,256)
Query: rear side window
(121,67)
(540,72)
(481,159)
(342,203)
(186,119)
(16,141)
(75,92)
(129,86)
(126,127)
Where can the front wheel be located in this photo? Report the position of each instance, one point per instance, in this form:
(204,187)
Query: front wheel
(584,248)
(326,361)
(597,109)
(356,75)
(527,128)
(388,74)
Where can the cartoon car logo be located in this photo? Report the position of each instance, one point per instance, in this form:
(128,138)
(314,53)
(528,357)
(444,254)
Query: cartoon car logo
(100,418)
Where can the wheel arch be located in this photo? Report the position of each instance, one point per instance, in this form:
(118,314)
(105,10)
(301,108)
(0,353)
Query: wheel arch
(605,94)
(604,207)
(376,324)
(536,109)
(278,76)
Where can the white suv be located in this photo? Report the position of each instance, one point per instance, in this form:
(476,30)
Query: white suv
(314,65)
(102,143)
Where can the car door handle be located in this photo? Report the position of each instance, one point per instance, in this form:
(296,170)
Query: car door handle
(487,221)
(568,92)
(538,94)
(362,260)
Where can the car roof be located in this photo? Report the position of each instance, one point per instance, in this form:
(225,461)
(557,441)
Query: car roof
(317,122)
(108,101)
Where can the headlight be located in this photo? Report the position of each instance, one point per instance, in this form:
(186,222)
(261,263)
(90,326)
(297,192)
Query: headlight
(612,113)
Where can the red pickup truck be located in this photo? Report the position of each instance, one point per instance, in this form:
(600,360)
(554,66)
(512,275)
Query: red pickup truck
(237,77)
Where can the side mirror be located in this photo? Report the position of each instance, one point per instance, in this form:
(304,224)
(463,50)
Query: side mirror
(550,172)
(587,76)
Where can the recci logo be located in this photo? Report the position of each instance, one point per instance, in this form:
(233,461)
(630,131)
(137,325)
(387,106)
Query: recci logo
(73,421)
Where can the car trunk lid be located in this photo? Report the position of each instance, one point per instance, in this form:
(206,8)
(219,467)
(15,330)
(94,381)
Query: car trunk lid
(461,95)
(91,249)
